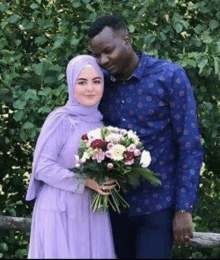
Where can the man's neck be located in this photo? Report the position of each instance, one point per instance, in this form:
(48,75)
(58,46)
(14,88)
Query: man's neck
(130,69)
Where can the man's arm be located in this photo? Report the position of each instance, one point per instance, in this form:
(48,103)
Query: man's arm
(190,154)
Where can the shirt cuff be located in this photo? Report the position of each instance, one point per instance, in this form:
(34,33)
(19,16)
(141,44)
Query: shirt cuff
(185,207)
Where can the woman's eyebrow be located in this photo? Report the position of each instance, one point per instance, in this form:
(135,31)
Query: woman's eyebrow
(86,79)
(81,79)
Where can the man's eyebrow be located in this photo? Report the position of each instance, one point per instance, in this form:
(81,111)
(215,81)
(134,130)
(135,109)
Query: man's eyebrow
(107,47)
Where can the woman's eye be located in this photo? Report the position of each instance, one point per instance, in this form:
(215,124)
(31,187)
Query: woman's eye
(81,82)
(97,82)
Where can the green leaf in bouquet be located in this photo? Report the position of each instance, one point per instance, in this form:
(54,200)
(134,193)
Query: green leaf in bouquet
(118,167)
(150,176)
(82,148)
(124,142)
(127,170)
(123,185)
(133,178)
(104,132)
(92,166)
(140,146)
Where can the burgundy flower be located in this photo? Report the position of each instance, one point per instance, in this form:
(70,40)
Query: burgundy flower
(98,143)
(84,137)
(129,156)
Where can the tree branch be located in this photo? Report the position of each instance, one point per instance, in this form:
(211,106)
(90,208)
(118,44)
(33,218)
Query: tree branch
(200,239)
(15,223)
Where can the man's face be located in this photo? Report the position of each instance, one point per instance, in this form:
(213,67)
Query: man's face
(111,50)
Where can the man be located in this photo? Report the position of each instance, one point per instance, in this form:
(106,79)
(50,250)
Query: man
(154,98)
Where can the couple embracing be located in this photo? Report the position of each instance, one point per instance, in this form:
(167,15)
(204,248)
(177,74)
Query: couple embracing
(127,89)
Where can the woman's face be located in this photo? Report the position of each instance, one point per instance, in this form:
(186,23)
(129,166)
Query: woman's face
(89,87)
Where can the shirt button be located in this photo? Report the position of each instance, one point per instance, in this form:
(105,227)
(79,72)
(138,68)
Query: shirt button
(123,119)
(122,101)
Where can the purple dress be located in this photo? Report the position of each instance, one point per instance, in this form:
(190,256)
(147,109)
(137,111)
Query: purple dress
(63,225)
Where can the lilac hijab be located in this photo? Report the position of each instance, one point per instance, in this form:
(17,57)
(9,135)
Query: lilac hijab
(75,111)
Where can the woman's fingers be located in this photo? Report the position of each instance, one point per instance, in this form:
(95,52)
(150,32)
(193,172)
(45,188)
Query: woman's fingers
(105,193)
(108,187)
(109,182)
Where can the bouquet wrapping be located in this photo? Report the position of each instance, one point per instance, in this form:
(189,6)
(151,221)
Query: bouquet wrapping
(115,153)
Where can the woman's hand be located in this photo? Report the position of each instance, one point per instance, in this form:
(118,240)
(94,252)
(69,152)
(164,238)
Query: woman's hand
(108,185)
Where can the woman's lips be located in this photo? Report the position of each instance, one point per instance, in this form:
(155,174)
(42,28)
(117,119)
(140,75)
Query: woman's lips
(90,96)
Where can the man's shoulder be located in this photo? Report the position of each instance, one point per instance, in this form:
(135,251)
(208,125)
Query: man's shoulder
(157,64)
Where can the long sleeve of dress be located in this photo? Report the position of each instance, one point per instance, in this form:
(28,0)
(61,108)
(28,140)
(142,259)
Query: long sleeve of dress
(190,152)
(50,170)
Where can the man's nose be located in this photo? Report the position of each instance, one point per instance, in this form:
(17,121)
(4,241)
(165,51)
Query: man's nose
(103,60)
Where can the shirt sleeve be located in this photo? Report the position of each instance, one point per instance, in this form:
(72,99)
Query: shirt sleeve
(50,171)
(188,141)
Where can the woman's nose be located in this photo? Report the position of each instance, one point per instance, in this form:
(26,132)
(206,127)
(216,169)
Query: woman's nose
(90,87)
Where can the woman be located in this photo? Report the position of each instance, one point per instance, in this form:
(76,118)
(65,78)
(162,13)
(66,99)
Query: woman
(63,225)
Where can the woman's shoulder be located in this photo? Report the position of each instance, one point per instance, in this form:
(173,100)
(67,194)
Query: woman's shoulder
(59,119)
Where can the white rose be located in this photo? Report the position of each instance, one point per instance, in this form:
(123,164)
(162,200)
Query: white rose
(94,134)
(145,159)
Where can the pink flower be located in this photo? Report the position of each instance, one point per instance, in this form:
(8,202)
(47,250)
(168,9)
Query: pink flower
(130,162)
(110,146)
(100,156)
(137,152)
(113,137)
(110,165)
(131,148)
(108,154)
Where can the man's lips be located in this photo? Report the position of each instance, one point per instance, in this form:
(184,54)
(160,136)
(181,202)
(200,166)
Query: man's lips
(109,67)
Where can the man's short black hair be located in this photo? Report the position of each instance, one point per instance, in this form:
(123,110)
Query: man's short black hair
(111,21)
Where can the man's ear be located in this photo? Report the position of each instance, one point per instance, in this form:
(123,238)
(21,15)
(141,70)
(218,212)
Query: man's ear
(127,39)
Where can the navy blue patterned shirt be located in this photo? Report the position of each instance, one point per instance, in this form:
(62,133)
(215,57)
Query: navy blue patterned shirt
(157,102)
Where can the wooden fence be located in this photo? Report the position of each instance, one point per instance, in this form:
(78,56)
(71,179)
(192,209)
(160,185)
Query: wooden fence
(200,239)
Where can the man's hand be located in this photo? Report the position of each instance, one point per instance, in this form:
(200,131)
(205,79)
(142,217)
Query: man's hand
(182,228)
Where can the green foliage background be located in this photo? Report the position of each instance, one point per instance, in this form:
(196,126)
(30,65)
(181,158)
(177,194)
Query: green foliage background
(39,37)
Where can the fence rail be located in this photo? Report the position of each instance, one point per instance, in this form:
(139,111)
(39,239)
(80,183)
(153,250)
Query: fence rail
(200,239)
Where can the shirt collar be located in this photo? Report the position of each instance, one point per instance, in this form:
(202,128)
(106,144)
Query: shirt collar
(138,72)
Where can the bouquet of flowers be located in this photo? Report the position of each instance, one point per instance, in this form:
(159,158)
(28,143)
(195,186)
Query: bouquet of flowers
(116,154)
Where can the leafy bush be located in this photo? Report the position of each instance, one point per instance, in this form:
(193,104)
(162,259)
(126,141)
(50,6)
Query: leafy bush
(38,38)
